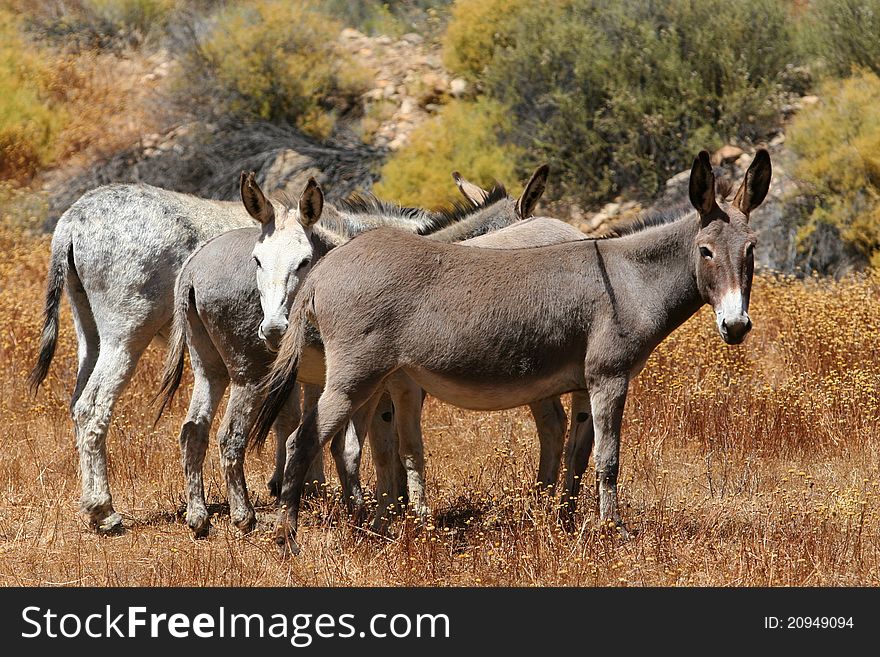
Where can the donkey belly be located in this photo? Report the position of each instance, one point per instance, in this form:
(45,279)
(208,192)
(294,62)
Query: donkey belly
(495,395)
(311,366)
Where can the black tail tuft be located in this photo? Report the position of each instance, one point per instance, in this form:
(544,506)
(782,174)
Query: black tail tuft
(61,259)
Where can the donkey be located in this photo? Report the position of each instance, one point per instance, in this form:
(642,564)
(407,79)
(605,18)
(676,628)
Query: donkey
(118,250)
(488,329)
(216,315)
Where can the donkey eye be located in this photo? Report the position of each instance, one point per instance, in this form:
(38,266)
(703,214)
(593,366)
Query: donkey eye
(257,260)
(706,253)
(304,263)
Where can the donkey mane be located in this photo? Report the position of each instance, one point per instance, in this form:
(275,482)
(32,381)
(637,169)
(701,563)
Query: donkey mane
(441,218)
(663,216)
(460,210)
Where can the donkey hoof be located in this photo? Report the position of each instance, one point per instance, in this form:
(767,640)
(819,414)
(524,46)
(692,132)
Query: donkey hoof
(567,520)
(286,543)
(246,524)
(274,486)
(615,528)
(199,523)
(422,512)
(109,524)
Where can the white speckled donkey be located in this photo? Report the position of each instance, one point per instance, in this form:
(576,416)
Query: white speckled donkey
(118,250)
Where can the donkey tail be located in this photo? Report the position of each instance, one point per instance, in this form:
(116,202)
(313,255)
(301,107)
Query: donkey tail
(172,373)
(280,382)
(59,264)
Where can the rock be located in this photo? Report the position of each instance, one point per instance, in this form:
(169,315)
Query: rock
(383,40)
(398,142)
(413,38)
(408,106)
(809,100)
(351,33)
(458,87)
(678,179)
(725,154)
(289,172)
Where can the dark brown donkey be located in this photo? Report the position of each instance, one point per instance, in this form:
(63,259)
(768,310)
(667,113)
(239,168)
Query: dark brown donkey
(489,329)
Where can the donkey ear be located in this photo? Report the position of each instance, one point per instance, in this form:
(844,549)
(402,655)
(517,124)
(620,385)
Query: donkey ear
(701,187)
(754,186)
(311,204)
(254,200)
(527,201)
(473,193)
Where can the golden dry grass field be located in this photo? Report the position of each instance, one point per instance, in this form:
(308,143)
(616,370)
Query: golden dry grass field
(753,465)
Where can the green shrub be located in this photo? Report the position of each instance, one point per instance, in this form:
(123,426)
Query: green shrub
(476,29)
(618,96)
(141,16)
(29,119)
(461,137)
(843,34)
(96,24)
(837,143)
(272,60)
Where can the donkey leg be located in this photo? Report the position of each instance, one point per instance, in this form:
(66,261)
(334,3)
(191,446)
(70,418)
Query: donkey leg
(580,445)
(316,483)
(329,417)
(241,412)
(550,421)
(288,420)
(347,449)
(206,395)
(390,474)
(607,399)
(91,416)
(88,342)
(407,398)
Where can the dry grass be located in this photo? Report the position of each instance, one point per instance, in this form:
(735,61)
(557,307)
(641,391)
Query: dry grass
(753,465)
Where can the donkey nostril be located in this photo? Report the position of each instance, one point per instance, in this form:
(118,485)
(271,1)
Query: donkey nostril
(723,324)
(748,325)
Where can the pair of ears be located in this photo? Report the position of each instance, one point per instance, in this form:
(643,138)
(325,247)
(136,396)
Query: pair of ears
(526,202)
(751,192)
(311,201)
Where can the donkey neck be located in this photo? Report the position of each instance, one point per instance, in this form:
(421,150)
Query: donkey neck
(655,272)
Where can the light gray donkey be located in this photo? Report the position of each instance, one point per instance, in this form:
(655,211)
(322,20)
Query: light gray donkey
(217,314)
(118,250)
(491,329)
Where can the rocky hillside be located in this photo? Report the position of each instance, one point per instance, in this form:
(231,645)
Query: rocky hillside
(409,85)
(204,158)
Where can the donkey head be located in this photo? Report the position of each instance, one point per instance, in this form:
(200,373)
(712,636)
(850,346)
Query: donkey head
(283,254)
(525,204)
(724,248)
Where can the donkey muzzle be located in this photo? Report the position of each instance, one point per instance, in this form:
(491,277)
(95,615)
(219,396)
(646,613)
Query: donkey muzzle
(271,331)
(734,330)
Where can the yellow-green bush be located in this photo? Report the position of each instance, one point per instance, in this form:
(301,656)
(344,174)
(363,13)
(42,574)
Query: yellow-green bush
(463,136)
(837,142)
(139,15)
(273,60)
(29,119)
(476,28)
